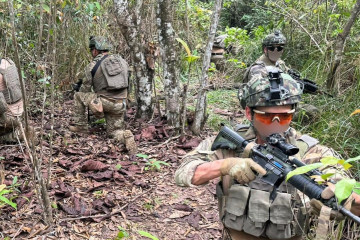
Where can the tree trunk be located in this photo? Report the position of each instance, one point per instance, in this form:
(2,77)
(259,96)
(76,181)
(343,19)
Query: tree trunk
(168,54)
(128,16)
(200,111)
(39,181)
(339,48)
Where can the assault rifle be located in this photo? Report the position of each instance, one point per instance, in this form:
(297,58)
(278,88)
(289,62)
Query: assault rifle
(274,157)
(309,86)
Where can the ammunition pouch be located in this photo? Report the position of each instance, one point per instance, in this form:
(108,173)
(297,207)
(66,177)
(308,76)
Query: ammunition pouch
(235,207)
(251,211)
(114,74)
(280,217)
(115,70)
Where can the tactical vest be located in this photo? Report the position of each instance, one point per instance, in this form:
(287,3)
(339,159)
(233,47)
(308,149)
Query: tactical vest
(111,75)
(10,89)
(249,208)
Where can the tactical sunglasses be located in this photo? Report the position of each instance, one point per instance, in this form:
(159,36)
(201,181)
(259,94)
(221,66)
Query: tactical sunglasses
(268,118)
(278,48)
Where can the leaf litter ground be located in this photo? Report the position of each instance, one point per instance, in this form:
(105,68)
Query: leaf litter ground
(96,187)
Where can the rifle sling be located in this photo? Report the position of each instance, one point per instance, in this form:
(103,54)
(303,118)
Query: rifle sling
(97,65)
(322,231)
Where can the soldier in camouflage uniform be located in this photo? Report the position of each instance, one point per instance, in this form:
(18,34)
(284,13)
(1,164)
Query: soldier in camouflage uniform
(11,103)
(104,101)
(273,47)
(245,208)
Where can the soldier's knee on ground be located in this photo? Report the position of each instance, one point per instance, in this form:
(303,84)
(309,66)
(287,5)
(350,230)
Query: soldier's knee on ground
(9,138)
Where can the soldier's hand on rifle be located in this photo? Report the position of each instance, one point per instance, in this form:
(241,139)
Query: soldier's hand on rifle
(241,169)
(76,86)
(328,193)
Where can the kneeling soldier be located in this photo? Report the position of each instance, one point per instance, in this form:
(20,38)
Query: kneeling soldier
(107,75)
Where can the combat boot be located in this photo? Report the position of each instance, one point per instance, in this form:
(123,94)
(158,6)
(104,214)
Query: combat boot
(130,142)
(9,138)
(79,128)
(127,138)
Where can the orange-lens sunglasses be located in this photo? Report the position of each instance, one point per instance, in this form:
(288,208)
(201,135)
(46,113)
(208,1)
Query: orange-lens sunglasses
(268,118)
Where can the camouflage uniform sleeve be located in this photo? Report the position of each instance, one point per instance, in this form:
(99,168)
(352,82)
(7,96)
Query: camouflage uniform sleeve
(87,81)
(193,159)
(283,66)
(257,69)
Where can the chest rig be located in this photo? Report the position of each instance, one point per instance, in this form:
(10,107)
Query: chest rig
(250,208)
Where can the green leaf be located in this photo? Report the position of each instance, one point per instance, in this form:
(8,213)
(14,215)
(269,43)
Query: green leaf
(330,160)
(54,205)
(5,191)
(63,4)
(7,201)
(100,121)
(46,8)
(98,5)
(344,188)
(191,59)
(142,155)
(187,49)
(345,164)
(14,180)
(148,235)
(2,158)
(357,188)
(326,176)
(304,169)
(163,163)
(353,159)
(122,233)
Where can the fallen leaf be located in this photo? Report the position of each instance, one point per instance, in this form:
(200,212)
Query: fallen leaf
(92,165)
(179,214)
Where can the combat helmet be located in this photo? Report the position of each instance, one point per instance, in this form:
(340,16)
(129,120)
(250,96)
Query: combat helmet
(100,43)
(275,38)
(275,89)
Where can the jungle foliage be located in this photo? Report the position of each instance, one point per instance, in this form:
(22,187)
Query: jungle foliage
(311,28)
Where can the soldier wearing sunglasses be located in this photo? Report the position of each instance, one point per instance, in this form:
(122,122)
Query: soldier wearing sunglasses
(273,48)
(245,207)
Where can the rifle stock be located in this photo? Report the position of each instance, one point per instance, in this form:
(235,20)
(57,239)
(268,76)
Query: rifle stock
(278,164)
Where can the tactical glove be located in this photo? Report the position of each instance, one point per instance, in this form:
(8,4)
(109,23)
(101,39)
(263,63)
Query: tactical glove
(316,205)
(241,169)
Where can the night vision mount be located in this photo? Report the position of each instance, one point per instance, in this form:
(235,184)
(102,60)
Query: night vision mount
(277,90)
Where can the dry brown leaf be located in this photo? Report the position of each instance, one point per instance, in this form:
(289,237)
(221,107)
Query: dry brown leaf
(92,165)
(179,214)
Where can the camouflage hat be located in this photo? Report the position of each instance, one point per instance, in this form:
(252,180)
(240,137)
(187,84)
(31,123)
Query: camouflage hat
(99,43)
(275,38)
(273,90)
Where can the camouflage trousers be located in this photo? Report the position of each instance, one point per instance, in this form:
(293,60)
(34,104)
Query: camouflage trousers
(9,126)
(114,111)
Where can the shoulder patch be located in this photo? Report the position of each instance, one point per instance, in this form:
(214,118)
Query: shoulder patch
(310,141)
(241,127)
